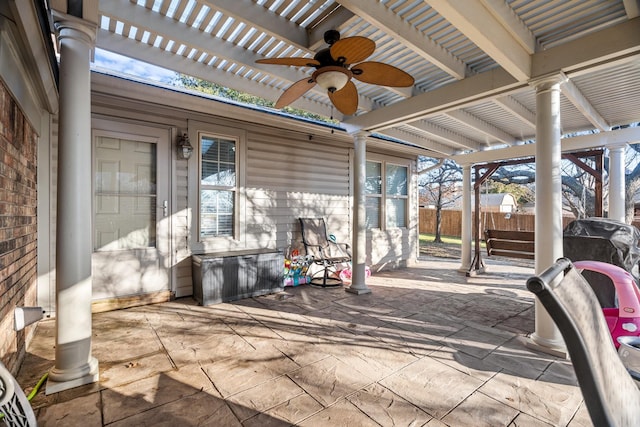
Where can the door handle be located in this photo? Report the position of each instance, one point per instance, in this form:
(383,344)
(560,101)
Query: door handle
(165,208)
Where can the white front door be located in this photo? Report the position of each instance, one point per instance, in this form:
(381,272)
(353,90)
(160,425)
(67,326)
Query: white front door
(131,211)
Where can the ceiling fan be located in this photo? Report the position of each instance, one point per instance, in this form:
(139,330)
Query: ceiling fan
(335,66)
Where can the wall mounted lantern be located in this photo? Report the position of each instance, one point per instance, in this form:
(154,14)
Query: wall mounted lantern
(184,147)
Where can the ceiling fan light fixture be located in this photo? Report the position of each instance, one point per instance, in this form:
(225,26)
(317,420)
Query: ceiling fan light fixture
(332,78)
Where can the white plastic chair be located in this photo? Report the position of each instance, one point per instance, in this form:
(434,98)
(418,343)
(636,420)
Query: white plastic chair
(14,405)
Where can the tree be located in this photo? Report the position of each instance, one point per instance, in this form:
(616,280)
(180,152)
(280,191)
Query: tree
(578,187)
(439,186)
(215,89)
(522,193)
(632,180)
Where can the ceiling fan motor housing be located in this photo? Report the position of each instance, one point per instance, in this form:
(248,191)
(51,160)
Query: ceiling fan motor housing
(324,58)
(331,77)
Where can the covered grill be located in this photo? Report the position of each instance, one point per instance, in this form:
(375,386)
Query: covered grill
(605,240)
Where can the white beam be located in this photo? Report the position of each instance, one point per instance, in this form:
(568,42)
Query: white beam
(263,20)
(152,55)
(440,150)
(479,24)
(508,103)
(445,136)
(380,16)
(573,94)
(603,46)
(138,17)
(142,18)
(338,20)
(620,42)
(463,92)
(486,128)
(512,23)
(577,143)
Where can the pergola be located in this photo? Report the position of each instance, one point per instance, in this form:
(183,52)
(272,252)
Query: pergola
(494,80)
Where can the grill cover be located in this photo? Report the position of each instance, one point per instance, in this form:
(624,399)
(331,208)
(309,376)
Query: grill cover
(606,240)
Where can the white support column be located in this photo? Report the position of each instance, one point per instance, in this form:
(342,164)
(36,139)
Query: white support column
(548,224)
(74,366)
(617,208)
(466,219)
(359,246)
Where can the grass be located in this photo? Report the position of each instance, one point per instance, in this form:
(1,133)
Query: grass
(428,238)
(451,246)
(451,240)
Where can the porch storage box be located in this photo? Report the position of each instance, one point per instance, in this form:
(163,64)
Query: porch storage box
(229,276)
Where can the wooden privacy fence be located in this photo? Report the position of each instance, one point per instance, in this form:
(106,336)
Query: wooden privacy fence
(451,224)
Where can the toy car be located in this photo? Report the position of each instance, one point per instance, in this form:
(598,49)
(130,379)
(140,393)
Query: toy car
(623,320)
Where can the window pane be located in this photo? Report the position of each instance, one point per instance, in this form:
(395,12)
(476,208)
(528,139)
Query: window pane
(373,212)
(373,183)
(396,180)
(396,213)
(125,194)
(216,213)
(218,161)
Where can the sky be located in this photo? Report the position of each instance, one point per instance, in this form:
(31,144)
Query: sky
(125,65)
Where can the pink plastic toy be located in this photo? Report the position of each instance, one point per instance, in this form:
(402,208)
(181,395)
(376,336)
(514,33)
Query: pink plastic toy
(625,319)
(345,274)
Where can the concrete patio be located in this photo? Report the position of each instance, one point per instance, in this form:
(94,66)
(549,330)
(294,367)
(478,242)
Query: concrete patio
(428,346)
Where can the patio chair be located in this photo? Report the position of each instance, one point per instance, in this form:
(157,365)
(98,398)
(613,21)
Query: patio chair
(610,393)
(326,252)
(14,405)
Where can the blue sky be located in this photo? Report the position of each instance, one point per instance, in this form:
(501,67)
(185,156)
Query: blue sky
(123,64)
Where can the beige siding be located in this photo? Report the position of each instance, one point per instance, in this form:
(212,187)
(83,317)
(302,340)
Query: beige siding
(288,174)
(292,177)
(182,285)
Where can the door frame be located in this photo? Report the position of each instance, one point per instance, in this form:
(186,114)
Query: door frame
(162,136)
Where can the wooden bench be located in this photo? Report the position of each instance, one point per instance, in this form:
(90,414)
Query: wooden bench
(514,244)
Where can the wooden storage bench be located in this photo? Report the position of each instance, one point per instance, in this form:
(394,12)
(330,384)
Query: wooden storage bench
(514,244)
(229,276)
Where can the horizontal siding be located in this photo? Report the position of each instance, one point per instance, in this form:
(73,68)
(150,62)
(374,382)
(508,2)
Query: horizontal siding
(180,238)
(287,175)
(289,178)
(390,247)
(297,165)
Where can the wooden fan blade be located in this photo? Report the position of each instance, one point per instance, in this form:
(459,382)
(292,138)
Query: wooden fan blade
(381,74)
(345,99)
(294,92)
(352,49)
(296,62)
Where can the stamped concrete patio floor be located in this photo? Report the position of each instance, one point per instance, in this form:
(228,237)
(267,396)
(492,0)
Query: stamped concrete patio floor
(428,346)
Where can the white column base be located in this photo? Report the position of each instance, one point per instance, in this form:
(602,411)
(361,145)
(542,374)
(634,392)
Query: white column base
(464,268)
(60,382)
(358,290)
(554,348)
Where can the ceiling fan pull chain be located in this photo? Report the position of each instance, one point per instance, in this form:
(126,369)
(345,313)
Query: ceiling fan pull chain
(331,117)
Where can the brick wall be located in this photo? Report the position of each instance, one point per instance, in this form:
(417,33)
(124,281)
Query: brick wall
(18,225)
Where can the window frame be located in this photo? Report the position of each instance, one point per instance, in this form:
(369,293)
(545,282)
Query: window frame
(404,197)
(216,243)
(384,197)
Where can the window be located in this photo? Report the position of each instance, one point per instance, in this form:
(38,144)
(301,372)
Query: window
(218,186)
(125,195)
(373,190)
(387,195)
(397,196)
(216,203)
